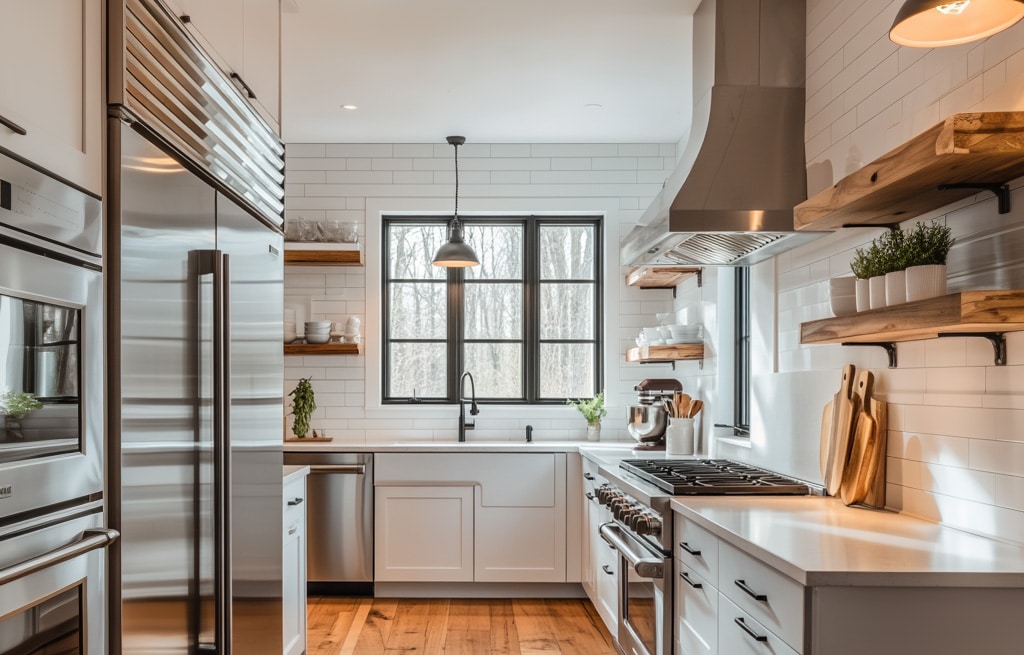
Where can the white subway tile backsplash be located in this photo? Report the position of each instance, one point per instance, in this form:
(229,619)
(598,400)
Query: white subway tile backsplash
(974,423)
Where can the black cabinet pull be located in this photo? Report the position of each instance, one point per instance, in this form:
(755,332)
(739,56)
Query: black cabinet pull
(587,476)
(294,502)
(604,567)
(590,496)
(750,631)
(750,592)
(689,580)
(248,89)
(690,549)
(12,126)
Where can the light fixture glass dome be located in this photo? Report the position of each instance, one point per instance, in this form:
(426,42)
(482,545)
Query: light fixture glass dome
(937,23)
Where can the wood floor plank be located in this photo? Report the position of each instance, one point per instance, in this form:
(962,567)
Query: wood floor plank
(537,634)
(578,632)
(504,632)
(328,620)
(374,633)
(419,626)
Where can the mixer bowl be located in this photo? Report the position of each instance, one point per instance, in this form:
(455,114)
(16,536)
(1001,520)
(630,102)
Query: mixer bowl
(647,423)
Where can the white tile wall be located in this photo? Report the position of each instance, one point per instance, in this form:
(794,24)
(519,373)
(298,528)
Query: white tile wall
(364,181)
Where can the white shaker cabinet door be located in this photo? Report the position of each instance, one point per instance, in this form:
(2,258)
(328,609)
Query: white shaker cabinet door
(51,104)
(293,560)
(423,534)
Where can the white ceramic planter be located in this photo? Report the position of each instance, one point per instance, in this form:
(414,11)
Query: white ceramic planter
(876,286)
(927,281)
(895,288)
(842,295)
(594,432)
(863,295)
(679,436)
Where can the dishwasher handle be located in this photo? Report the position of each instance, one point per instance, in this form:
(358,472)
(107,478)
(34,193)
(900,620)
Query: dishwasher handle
(352,469)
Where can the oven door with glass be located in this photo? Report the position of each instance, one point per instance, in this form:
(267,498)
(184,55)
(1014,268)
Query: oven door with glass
(645,594)
(51,368)
(52,584)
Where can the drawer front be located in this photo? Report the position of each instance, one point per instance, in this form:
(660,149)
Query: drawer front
(741,634)
(775,600)
(294,499)
(697,548)
(696,613)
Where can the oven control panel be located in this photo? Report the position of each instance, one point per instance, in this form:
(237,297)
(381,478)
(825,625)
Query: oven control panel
(633,514)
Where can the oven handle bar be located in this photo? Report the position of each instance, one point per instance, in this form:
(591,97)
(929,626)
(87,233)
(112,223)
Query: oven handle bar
(635,554)
(90,540)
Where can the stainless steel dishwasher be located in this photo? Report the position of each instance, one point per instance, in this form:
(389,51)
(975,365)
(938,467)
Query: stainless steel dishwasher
(339,522)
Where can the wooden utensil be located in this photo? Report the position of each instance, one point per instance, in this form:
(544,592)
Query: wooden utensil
(844,408)
(858,474)
(695,406)
(683,404)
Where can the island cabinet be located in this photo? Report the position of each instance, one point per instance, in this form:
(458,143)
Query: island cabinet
(470,517)
(51,107)
(293,560)
(810,576)
(599,558)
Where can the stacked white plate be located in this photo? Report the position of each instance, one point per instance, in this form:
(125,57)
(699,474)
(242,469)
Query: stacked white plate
(318,331)
(685,334)
(289,325)
(842,295)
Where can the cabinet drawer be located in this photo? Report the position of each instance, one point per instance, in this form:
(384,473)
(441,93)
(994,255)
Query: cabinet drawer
(697,548)
(775,600)
(741,634)
(696,613)
(294,499)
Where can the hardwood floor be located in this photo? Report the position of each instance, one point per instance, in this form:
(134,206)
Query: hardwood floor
(386,626)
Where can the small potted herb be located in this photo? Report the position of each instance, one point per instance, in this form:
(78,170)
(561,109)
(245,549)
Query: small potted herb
(303,404)
(593,411)
(868,264)
(927,246)
(15,406)
(893,252)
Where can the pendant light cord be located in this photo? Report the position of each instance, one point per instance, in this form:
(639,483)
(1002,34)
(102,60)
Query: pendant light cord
(456,146)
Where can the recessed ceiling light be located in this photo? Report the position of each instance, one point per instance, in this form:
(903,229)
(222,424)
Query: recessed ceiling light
(350,107)
(593,105)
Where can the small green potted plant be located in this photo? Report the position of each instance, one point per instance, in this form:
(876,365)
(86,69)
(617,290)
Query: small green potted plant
(15,406)
(593,411)
(927,246)
(868,265)
(303,404)
(893,252)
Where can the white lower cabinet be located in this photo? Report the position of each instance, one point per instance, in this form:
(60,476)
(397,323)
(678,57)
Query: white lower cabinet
(696,611)
(741,634)
(423,534)
(599,575)
(293,560)
(470,517)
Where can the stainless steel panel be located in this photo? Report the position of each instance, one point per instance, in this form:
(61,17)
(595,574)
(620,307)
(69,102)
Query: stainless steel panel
(166,470)
(339,515)
(161,77)
(256,414)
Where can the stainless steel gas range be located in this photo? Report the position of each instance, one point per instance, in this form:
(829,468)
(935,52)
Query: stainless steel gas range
(638,495)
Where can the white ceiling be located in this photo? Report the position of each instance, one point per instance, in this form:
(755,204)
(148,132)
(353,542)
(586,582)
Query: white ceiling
(518,71)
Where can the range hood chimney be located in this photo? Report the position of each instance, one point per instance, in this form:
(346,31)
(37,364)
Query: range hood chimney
(742,170)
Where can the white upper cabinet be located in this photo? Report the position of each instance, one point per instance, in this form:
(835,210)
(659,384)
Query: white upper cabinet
(244,38)
(51,89)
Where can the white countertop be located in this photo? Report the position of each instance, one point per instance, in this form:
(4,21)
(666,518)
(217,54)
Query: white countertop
(292,471)
(819,541)
(449,447)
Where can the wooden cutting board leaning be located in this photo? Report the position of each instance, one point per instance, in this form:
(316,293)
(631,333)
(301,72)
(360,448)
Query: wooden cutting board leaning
(845,406)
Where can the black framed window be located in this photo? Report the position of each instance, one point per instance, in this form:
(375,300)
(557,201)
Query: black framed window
(526,322)
(741,400)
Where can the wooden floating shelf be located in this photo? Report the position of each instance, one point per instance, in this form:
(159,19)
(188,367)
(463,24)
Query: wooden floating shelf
(308,439)
(970,148)
(664,277)
(660,354)
(321,349)
(323,257)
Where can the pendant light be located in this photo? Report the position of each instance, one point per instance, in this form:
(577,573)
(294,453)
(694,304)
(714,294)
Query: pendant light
(937,23)
(456,253)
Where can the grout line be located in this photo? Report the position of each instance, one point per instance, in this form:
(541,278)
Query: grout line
(358,621)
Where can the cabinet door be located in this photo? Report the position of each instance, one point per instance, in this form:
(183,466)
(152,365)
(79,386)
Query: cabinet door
(293,597)
(423,534)
(52,87)
(604,563)
(696,613)
(741,634)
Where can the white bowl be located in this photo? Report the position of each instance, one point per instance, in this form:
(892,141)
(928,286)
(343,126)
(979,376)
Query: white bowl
(844,305)
(325,325)
(652,333)
(318,338)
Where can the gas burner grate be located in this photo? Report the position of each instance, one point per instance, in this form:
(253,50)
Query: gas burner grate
(712,476)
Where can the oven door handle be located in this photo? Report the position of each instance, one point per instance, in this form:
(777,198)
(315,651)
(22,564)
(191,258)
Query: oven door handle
(90,540)
(635,554)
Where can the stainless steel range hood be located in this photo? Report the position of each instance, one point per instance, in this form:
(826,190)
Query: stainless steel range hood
(730,199)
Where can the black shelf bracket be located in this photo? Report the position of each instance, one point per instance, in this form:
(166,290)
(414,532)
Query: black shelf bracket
(892,227)
(1002,191)
(997,339)
(890,348)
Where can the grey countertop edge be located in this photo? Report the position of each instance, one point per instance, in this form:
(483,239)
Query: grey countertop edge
(453,446)
(1005,568)
(292,471)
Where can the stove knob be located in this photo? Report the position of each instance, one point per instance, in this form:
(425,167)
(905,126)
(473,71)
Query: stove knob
(625,514)
(636,522)
(651,526)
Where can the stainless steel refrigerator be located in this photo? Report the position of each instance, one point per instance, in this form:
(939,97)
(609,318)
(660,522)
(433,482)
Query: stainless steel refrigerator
(195,296)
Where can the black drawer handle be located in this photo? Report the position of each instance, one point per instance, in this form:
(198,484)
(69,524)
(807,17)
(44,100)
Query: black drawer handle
(604,567)
(248,90)
(750,631)
(12,126)
(294,502)
(590,496)
(690,549)
(685,576)
(587,476)
(750,592)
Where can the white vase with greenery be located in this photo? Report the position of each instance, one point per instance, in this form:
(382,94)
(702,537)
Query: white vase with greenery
(593,411)
(927,247)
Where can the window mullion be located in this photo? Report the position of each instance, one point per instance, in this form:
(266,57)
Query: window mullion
(456,330)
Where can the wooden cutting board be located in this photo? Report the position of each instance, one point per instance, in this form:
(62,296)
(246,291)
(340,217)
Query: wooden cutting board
(826,438)
(845,406)
(864,477)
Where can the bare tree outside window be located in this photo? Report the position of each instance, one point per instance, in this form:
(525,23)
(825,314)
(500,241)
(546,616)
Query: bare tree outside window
(525,322)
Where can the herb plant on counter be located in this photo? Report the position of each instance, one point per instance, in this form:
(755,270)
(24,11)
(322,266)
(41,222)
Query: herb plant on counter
(18,405)
(592,409)
(303,404)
